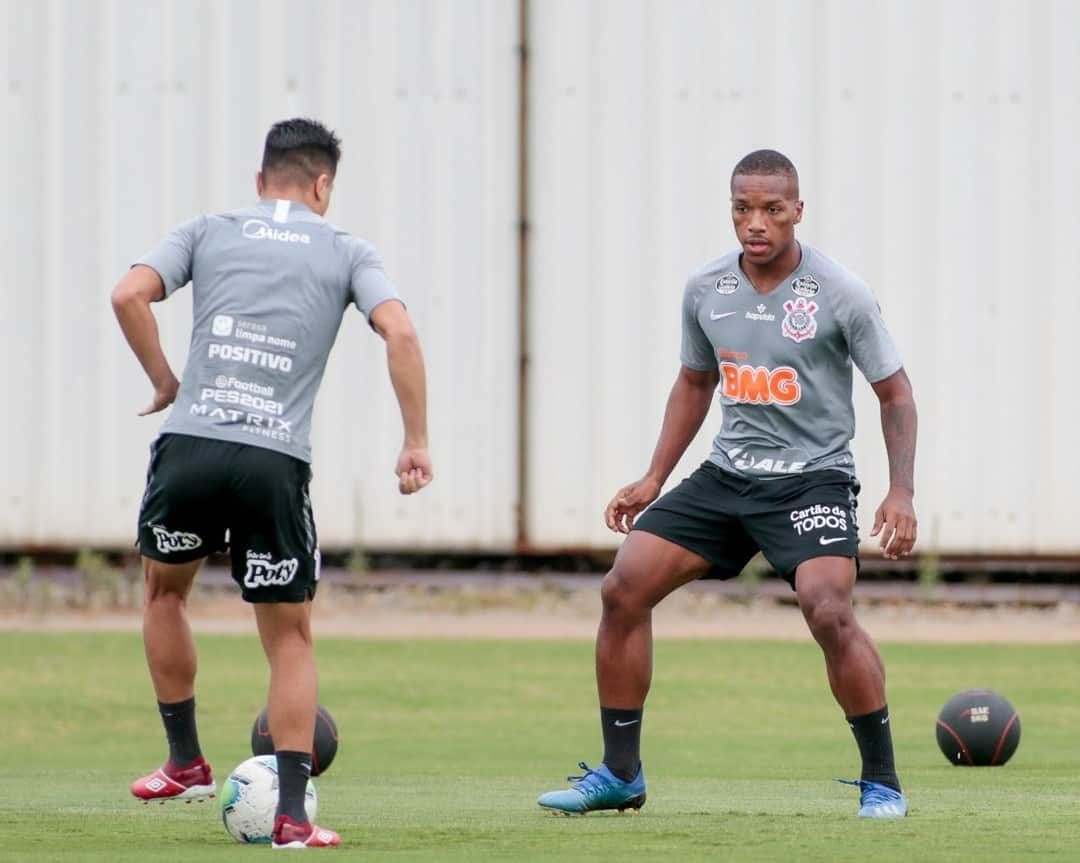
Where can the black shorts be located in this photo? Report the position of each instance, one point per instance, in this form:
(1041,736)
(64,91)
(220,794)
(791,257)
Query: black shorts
(206,495)
(726,518)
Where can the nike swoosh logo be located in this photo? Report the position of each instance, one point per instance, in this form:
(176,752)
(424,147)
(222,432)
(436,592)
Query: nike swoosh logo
(620,724)
(713,316)
(829,540)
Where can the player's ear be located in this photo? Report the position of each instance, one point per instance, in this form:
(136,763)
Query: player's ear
(260,184)
(798,212)
(324,184)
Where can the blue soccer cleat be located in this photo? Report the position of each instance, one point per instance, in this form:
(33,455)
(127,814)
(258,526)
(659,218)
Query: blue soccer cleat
(877,800)
(597,789)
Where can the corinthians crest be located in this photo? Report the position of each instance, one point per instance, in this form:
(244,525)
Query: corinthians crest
(799,323)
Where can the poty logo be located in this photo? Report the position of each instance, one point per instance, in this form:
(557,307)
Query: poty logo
(263,572)
(257,229)
(759,385)
(170,541)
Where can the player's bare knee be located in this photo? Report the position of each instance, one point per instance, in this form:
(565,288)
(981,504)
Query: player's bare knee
(163,593)
(611,592)
(829,616)
(619,596)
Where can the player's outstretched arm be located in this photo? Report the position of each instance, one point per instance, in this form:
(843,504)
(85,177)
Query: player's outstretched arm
(687,407)
(895,519)
(406,364)
(131,300)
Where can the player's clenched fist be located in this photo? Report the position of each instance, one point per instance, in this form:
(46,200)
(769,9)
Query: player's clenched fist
(413,470)
(164,395)
(895,523)
(630,500)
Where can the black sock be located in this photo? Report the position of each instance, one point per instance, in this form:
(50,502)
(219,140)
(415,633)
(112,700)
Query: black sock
(874,736)
(294,769)
(622,741)
(179,721)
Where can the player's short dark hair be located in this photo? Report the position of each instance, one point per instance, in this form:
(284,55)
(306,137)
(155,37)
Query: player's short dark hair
(766,162)
(303,146)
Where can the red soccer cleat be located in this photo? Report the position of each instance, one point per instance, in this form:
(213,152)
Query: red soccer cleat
(289,834)
(194,782)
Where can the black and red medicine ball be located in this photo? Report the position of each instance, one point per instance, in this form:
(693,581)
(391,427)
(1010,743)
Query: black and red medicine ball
(323,748)
(978,728)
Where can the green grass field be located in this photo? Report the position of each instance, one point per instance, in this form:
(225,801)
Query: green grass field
(445,746)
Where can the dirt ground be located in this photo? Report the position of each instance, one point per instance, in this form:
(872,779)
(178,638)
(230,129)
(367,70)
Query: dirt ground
(412,611)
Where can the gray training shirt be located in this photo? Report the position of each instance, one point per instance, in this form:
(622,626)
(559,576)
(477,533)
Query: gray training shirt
(271,284)
(785,362)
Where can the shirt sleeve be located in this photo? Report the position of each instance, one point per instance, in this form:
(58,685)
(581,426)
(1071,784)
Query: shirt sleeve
(368,285)
(872,348)
(173,259)
(697,351)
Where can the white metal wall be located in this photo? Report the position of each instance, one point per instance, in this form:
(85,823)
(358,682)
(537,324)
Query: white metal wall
(934,139)
(123,117)
(936,146)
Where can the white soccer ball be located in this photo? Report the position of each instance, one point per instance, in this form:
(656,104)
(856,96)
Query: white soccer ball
(249,800)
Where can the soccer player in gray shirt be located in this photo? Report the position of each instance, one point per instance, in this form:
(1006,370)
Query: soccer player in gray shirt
(777,326)
(231,467)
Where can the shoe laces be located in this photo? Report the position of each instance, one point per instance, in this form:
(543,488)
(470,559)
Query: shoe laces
(287,824)
(873,793)
(191,774)
(589,781)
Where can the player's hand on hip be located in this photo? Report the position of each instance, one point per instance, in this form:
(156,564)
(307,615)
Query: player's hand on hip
(164,395)
(896,523)
(413,469)
(630,500)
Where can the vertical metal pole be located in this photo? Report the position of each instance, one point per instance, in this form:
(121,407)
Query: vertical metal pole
(522,542)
